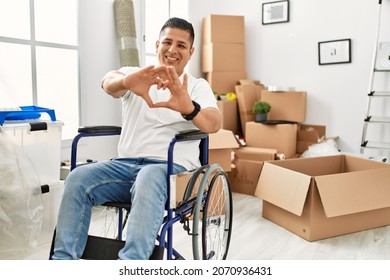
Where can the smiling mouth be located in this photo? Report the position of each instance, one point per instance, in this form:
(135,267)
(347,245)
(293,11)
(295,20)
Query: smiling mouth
(171,59)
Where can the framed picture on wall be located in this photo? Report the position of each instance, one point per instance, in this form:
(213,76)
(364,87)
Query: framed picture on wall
(334,52)
(275,12)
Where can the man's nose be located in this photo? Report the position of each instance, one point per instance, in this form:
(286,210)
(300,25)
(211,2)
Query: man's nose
(172,48)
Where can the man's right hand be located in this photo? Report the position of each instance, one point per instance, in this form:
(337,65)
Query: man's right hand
(116,83)
(140,82)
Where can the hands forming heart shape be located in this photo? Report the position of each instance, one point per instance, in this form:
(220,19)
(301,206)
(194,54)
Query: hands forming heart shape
(165,77)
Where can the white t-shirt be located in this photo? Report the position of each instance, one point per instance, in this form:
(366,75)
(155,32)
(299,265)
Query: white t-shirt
(147,132)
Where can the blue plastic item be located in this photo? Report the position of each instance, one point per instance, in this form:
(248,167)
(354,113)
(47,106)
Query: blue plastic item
(26,112)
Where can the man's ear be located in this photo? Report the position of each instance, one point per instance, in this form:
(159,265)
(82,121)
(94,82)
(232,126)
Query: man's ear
(157,45)
(192,51)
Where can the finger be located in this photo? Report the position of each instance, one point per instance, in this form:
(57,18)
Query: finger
(185,79)
(165,84)
(149,69)
(173,73)
(159,82)
(169,75)
(160,70)
(148,100)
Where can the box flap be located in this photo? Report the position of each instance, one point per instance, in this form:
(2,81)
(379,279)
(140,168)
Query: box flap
(354,192)
(243,82)
(222,139)
(272,187)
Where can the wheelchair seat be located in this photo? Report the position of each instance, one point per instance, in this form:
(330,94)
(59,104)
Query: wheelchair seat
(207,203)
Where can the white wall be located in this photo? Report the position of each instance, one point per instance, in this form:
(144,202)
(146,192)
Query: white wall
(286,54)
(278,55)
(98,55)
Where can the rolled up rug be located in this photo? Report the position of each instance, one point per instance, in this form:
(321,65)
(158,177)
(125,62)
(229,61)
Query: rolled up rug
(125,27)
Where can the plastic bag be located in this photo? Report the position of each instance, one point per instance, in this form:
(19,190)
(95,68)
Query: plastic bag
(21,204)
(326,148)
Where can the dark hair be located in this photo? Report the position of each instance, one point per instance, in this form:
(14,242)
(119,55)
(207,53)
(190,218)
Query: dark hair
(179,23)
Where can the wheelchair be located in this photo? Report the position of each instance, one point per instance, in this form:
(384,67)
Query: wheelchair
(205,210)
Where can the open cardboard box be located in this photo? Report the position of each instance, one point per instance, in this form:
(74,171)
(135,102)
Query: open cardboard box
(322,197)
(248,92)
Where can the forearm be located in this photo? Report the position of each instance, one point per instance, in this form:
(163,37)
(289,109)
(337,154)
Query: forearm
(112,83)
(208,120)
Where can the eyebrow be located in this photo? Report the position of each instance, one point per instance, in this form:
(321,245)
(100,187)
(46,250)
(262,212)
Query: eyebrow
(180,42)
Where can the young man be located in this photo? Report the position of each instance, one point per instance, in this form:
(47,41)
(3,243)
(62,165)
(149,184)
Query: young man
(157,102)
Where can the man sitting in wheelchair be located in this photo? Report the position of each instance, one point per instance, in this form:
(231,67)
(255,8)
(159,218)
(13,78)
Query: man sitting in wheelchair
(157,102)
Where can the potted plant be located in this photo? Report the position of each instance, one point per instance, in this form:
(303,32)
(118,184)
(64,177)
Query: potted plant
(261,110)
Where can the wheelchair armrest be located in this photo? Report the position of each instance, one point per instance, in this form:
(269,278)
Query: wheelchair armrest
(100,129)
(192,134)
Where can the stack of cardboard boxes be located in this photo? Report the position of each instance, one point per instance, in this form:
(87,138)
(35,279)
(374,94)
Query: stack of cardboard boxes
(288,106)
(223,51)
(224,61)
(315,198)
(265,142)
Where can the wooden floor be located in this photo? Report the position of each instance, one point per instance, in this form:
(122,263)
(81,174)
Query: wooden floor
(255,238)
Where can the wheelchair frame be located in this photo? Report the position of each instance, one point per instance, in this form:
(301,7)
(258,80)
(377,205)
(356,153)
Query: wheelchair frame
(188,206)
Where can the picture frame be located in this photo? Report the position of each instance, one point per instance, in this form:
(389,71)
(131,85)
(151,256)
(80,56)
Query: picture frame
(275,12)
(334,52)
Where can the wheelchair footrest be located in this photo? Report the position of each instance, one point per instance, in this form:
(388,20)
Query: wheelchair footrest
(101,248)
(158,253)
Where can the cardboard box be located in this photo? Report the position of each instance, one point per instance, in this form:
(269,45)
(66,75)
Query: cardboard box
(254,153)
(248,162)
(322,197)
(224,81)
(221,145)
(286,106)
(180,190)
(230,117)
(282,137)
(214,29)
(308,135)
(223,57)
(248,92)
(178,186)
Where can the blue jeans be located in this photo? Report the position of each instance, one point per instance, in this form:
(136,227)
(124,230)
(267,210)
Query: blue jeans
(143,181)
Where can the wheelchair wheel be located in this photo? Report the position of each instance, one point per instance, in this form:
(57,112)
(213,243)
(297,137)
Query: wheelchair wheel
(213,214)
